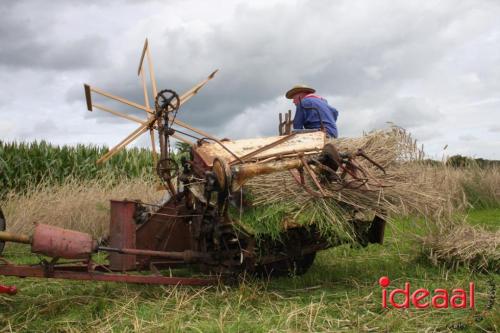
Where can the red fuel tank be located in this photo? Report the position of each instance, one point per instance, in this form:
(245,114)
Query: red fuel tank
(57,242)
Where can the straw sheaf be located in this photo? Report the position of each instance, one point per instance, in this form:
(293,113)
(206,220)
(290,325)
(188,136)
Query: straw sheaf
(470,246)
(406,188)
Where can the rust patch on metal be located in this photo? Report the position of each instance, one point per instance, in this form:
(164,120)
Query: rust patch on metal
(122,234)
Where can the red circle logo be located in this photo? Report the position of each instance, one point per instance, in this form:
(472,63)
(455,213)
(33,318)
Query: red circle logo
(384,281)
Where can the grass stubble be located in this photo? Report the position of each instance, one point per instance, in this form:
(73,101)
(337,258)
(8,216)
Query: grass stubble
(445,246)
(339,294)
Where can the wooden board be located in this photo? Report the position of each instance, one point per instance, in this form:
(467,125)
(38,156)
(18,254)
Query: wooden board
(300,142)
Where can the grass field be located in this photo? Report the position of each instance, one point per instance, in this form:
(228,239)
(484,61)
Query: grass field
(339,293)
(24,165)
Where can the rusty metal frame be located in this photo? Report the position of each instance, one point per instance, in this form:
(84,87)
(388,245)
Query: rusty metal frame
(298,176)
(78,273)
(348,166)
(313,176)
(122,234)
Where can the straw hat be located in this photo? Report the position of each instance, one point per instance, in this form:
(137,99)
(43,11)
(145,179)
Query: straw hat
(298,89)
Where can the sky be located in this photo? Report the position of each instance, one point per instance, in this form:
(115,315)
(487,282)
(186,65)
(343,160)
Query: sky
(432,67)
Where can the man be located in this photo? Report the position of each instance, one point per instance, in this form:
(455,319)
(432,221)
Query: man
(312,111)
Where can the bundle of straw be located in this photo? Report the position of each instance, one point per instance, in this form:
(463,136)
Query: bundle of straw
(467,245)
(404,189)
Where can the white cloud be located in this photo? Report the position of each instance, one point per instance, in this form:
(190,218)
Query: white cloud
(429,66)
(467,137)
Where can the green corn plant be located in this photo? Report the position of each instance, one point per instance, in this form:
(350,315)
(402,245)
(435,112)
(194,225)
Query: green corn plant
(28,164)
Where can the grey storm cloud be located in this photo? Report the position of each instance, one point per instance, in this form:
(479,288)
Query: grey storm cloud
(408,112)
(467,137)
(494,128)
(262,52)
(403,62)
(27,41)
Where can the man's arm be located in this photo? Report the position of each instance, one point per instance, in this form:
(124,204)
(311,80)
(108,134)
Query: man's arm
(299,119)
(335,112)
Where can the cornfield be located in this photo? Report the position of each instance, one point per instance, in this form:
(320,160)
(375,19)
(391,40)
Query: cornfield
(25,165)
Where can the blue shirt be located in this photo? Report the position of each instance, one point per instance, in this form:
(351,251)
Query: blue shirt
(307,117)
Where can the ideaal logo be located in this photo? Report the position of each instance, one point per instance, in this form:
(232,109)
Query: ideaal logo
(422,298)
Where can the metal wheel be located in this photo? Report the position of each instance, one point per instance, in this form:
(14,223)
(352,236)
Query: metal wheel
(2,228)
(287,267)
(167,101)
(301,265)
(292,245)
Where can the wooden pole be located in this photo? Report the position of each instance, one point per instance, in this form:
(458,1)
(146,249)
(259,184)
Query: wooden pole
(120,99)
(119,114)
(280,127)
(134,135)
(194,129)
(151,73)
(193,91)
(153,146)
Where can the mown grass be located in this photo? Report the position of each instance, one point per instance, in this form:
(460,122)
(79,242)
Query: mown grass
(339,293)
(489,218)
